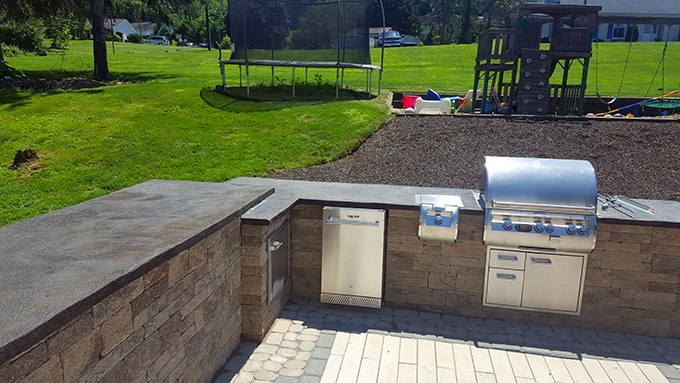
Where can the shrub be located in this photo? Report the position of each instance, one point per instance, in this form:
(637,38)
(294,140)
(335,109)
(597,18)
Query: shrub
(60,35)
(115,38)
(12,51)
(226,42)
(135,38)
(27,36)
(632,33)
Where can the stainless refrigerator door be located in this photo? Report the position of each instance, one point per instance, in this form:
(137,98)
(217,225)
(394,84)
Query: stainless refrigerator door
(352,256)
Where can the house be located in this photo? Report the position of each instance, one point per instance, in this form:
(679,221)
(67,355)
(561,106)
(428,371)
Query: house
(657,20)
(123,28)
(144,28)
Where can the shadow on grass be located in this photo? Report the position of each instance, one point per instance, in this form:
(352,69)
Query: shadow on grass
(14,98)
(263,99)
(57,74)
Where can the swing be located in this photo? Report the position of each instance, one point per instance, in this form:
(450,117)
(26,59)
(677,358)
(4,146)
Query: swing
(597,89)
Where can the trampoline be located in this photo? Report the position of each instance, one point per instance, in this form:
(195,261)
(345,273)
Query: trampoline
(300,34)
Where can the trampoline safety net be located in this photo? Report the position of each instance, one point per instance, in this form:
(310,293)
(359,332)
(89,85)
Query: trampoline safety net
(300,31)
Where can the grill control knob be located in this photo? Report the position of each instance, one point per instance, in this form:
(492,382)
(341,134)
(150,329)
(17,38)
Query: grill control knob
(549,228)
(539,227)
(571,229)
(581,230)
(507,224)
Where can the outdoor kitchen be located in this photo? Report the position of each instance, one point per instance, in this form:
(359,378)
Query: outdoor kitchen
(165,278)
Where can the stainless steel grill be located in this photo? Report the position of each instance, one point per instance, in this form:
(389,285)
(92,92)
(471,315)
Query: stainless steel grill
(540,225)
(540,204)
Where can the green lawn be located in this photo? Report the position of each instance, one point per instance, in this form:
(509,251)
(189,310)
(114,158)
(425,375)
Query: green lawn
(164,121)
(169,126)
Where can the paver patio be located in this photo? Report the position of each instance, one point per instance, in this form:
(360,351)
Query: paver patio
(312,342)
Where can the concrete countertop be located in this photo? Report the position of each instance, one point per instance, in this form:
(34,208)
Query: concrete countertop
(288,193)
(57,265)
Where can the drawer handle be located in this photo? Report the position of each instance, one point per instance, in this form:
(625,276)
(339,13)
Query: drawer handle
(511,277)
(361,223)
(507,258)
(542,261)
(275,246)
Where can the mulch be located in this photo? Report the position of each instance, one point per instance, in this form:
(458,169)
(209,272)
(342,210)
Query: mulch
(637,158)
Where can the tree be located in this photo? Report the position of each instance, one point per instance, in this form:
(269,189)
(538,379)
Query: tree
(405,16)
(101,63)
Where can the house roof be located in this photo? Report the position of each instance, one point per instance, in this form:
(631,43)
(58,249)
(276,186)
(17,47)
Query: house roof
(658,9)
(143,25)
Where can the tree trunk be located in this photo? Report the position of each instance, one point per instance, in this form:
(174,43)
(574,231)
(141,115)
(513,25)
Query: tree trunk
(465,29)
(2,58)
(101,65)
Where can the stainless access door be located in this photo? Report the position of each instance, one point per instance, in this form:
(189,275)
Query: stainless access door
(352,256)
(553,281)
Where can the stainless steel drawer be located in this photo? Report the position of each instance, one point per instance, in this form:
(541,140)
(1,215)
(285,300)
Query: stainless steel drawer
(507,259)
(504,287)
(552,282)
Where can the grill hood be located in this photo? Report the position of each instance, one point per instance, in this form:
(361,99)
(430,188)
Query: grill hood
(546,204)
(535,182)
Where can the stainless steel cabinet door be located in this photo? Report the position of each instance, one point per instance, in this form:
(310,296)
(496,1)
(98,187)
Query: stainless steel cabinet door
(353,252)
(504,287)
(552,282)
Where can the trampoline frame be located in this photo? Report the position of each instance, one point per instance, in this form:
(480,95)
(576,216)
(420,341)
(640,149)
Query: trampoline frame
(303,64)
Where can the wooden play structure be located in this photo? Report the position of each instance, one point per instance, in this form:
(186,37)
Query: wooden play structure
(517,49)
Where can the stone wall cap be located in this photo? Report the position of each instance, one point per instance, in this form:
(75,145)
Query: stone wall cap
(289,192)
(57,265)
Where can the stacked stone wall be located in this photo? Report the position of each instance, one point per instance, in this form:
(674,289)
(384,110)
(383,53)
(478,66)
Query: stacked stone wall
(632,280)
(178,322)
(258,313)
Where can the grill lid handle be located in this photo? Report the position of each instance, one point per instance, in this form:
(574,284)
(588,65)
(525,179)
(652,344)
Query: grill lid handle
(586,210)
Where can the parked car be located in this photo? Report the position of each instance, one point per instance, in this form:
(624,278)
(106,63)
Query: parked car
(391,39)
(157,40)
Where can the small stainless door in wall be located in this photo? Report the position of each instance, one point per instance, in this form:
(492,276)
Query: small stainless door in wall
(279,260)
(352,256)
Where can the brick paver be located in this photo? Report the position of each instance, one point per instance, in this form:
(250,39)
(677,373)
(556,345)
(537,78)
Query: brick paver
(312,342)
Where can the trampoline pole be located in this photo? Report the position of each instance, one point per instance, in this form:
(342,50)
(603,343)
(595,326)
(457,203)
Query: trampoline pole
(248,79)
(240,77)
(293,83)
(342,78)
(337,78)
(224,79)
(272,75)
(306,69)
(370,85)
(367,82)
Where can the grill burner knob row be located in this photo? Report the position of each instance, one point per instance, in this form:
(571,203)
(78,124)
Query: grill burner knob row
(539,227)
(571,230)
(507,224)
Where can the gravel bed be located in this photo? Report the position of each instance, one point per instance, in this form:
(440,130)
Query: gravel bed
(632,157)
